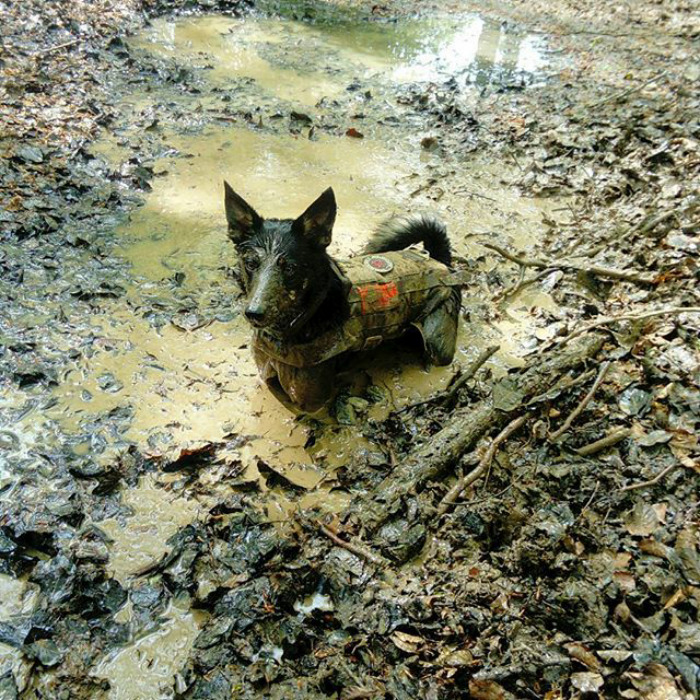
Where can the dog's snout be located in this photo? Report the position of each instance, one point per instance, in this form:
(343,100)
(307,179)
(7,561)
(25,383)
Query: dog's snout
(255,315)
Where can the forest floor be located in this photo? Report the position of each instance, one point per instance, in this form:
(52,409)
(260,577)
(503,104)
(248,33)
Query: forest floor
(566,564)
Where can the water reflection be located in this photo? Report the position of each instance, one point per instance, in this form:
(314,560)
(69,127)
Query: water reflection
(280,56)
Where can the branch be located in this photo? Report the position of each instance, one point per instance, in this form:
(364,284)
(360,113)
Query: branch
(433,458)
(629,91)
(651,482)
(51,49)
(609,272)
(628,317)
(483,465)
(577,411)
(356,549)
(602,444)
(451,394)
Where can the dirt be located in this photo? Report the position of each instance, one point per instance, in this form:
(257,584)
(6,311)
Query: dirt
(168,529)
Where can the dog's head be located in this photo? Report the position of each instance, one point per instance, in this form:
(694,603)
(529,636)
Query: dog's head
(285,269)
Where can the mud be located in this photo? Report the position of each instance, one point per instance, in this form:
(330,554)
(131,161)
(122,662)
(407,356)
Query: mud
(164,522)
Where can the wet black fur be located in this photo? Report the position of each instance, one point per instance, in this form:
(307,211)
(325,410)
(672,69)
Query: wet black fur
(397,234)
(289,278)
(307,269)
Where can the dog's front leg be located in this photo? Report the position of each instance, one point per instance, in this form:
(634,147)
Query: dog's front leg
(310,388)
(439,330)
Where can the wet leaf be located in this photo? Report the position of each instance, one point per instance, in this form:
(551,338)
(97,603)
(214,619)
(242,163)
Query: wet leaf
(45,652)
(587,682)
(635,401)
(655,683)
(301,117)
(581,653)
(30,154)
(275,478)
(409,643)
(488,690)
(193,456)
(625,581)
(641,520)
(507,395)
(655,437)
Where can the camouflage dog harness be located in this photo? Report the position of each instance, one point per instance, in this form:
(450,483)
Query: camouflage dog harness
(387,294)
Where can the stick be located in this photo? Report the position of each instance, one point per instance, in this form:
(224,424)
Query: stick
(432,459)
(454,493)
(451,393)
(602,444)
(609,272)
(562,386)
(651,482)
(522,283)
(586,400)
(588,502)
(354,548)
(51,49)
(636,88)
(628,317)
(513,289)
(448,396)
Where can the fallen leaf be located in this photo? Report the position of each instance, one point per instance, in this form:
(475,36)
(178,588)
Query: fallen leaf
(409,643)
(641,520)
(587,682)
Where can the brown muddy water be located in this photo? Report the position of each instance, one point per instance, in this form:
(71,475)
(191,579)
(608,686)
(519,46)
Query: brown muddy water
(195,380)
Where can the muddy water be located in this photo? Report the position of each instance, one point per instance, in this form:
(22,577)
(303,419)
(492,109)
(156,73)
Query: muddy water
(192,380)
(146,668)
(306,62)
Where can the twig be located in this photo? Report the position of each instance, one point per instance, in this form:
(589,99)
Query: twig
(651,482)
(562,386)
(602,444)
(627,317)
(449,500)
(464,190)
(513,289)
(629,91)
(522,282)
(51,49)
(609,272)
(586,400)
(362,552)
(645,226)
(588,502)
(451,393)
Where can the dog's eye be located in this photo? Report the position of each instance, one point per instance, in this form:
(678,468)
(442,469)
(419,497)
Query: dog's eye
(251,262)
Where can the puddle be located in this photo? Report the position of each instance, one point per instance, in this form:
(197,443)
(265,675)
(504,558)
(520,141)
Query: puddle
(148,667)
(16,598)
(304,62)
(193,379)
(139,539)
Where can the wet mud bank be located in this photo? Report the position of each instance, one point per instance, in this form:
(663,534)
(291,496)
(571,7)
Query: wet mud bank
(520,524)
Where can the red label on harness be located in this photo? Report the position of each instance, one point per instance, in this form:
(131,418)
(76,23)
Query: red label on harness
(377,297)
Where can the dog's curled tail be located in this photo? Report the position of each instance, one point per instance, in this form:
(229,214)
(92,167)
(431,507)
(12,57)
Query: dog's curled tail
(399,233)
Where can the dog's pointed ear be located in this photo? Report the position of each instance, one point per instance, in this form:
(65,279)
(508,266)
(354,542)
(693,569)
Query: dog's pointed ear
(243,220)
(316,223)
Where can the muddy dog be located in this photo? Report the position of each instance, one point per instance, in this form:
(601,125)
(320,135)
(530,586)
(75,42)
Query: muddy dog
(308,310)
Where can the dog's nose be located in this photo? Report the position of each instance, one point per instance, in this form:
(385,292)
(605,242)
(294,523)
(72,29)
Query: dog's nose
(255,315)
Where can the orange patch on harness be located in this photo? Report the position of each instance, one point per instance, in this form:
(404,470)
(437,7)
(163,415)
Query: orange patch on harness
(377,297)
